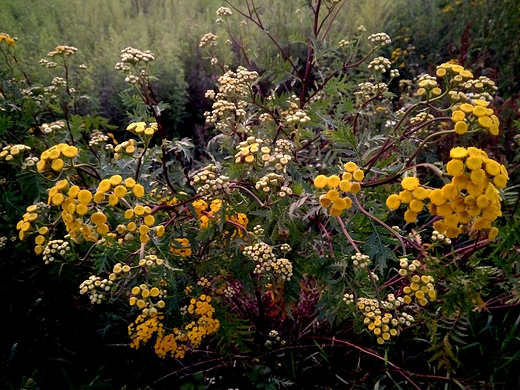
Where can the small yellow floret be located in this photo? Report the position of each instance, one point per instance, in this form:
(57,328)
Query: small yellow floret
(410,183)
(333,181)
(321,181)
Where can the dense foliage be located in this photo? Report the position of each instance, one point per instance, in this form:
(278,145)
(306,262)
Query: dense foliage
(282,207)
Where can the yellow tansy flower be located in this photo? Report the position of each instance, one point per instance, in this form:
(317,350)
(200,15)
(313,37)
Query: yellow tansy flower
(410,183)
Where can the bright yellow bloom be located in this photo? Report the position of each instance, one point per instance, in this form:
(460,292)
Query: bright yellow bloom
(393,202)
(103,229)
(333,195)
(455,167)
(457,68)
(43,230)
(73,191)
(493,130)
(439,226)
(335,212)
(62,185)
(474,189)
(474,162)
(346,176)
(358,175)
(333,181)
(485,121)
(350,166)
(450,191)
(98,218)
(410,216)
(81,209)
(443,210)
(405,196)
(482,201)
(54,154)
(410,183)
(437,197)
(500,181)
(58,199)
(57,164)
(129,182)
(458,152)
(441,72)
(461,127)
(493,233)
(420,193)
(461,181)
(138,190)
(467,108)
(113,200)
(104,185)
(321,181)
(159,231)
(458,116)
(129,214)
(479,111)
(478,176)
(355,188)
(70,151)
(139,210)
(116,180)
(416,205)
(344,185)
(149,220)
(99,197)
(84,196)
(120,191)
(466,74)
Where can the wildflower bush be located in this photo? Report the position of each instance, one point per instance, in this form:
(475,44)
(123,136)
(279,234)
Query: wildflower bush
(328,221)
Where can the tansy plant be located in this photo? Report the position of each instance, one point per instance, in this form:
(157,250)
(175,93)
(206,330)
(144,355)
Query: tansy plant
(318,207)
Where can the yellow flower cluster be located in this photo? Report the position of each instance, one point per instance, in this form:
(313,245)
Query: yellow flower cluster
(428,86)
(181,247)
(466,116)
(167,343)
(205,325)
(25,226)
(457,72)
(140,129)
(143,328)
(53,157)
(333,197)
(470,200)
(76,204)
(142,298)
(10,152)
(421,288)
(176,343)
(7,39)
(413,195)
(472,196)
(125,148)
(142,223)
